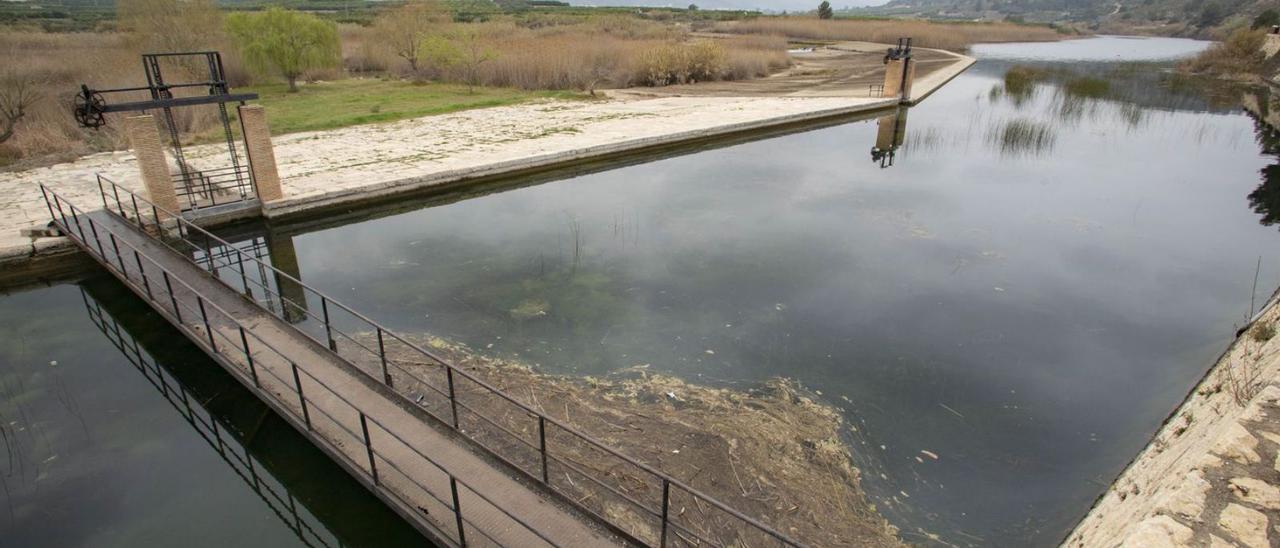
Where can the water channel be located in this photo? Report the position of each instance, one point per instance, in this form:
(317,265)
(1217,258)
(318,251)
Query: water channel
(1036,266)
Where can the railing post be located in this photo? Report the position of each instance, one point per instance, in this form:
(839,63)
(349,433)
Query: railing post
(382,354)
(48,204)
(453,400)
(542,444)
(207,328)
(328,330)
(208,254)
(116,191)
(368,447)
(93,227)
(297,384)
(119,257)
(457,511)
(666,505)
(102,192)
(177,312)
(173,298)
(58,203)
(244,280)
(76,219)
(137,216)
(253,370)
(146,284)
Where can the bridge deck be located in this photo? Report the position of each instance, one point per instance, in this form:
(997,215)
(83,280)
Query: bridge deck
(420,469)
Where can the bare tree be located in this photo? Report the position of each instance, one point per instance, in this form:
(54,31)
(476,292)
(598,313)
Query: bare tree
(18,92)
(172,25)
(404,28)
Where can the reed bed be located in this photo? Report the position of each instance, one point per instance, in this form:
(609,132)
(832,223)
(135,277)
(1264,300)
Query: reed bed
(585,55)
(950,36)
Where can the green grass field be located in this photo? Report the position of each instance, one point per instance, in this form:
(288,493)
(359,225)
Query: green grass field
(329,105)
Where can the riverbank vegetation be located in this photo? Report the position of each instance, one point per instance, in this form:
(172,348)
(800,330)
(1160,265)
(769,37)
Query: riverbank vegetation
(1238,57)
(394,62)
(369,62)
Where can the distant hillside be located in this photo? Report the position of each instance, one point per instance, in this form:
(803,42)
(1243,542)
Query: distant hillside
(1180,17)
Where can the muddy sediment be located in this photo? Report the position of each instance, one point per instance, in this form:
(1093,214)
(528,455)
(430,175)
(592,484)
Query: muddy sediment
(773,453)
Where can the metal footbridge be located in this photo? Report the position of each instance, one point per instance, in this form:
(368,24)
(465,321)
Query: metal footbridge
(462,461)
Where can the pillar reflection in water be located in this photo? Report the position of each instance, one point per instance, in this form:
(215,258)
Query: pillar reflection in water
(284,256)
(891,132)
(246,264)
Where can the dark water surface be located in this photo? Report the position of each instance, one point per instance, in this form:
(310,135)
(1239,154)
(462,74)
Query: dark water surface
(1059,250)
(116,431)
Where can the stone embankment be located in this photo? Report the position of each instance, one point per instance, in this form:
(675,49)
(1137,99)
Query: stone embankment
(1211,475)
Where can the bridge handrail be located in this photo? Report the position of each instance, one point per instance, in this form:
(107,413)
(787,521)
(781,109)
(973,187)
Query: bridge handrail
(184,228)
(52,200)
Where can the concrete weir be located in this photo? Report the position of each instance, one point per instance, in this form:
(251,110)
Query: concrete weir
(338,168)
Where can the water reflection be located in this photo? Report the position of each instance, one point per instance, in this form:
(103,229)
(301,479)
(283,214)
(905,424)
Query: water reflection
(891,132)
(98,450)
(1265,200)
(228,440)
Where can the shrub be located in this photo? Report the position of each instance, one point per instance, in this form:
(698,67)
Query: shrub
(1240,54)
(681,63)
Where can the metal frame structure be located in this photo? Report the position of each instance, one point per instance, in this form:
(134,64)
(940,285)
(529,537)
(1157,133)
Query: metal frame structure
(443,398)
(192,185)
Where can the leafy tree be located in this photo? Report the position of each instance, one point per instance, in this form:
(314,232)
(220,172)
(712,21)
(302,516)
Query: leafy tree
(693,7)
(462,47)
(824,10)
(287,42)
(1266,19)
(404,28)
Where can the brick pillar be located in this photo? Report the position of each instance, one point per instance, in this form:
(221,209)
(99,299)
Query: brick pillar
(908,79)
(144,138)
(899,75)
(893,77)
(262,157)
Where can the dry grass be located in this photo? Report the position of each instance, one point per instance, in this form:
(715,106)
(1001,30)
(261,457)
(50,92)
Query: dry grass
(1239,56)
(951,36)
(585,54)
(60,63)
(533,54)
